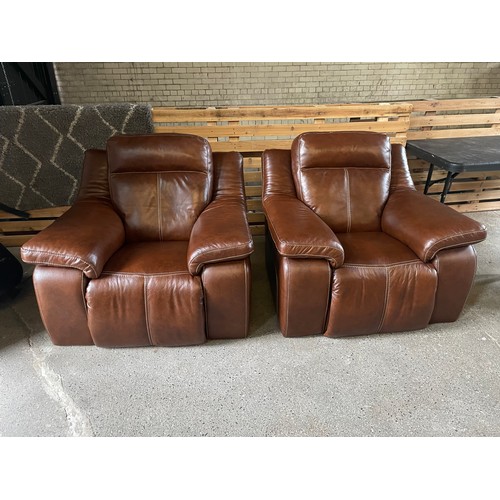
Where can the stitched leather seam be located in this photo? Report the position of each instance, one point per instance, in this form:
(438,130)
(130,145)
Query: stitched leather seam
(287,305)
(246,272)
(430,251)
(384,310)
(219,249)
(113,273)
(146,311)
(348,199)
(158,204)
(328,299)
(66,256)
(384,265)
(300,246)
(222,259)
(201,255)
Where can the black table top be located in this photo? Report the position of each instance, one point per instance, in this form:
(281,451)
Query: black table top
(459,154)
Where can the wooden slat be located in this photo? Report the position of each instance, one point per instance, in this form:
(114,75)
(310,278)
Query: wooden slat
(256,217)
(253,190)
(455,104)
(15,240)
(252,176)
(254,205)
(253,162)
(493,194)
(448,133)
(257,230)
(399,125)
(414,163)
(40,219)
(454,120)
(249,113)
(468,186)
(477,206)
(39,212)
(24,226)
(260,146)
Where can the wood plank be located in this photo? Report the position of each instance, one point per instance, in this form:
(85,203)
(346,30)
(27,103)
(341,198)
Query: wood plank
(257,230)
(255,217)
(454,120)
(475,185)
(448,133)
(15,240)
(400,125)
(420,177)
(253,190)
(253,162)
(39,212)
(260,146)
(414,163)
(477,207)
(254,205)
(252,176)
(455,104)
(24,226)
(174,115)
(493,194)
(470,187)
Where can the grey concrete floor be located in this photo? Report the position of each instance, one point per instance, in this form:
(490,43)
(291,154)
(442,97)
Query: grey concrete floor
(441,381)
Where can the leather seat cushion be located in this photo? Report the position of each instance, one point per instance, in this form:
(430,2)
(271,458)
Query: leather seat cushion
(382,287)
(374,249)
(146,296)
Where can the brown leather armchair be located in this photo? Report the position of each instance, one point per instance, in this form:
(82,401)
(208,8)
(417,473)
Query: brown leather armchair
(352,247)
(155,251)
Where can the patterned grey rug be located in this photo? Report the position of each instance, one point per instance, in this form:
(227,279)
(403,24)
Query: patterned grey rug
(42,147)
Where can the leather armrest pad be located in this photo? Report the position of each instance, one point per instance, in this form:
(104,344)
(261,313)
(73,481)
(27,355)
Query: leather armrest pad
(298,232)
(220,233)
(84,238)
(427,226)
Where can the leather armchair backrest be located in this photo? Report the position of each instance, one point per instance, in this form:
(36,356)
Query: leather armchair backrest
(344,177)
(159,183)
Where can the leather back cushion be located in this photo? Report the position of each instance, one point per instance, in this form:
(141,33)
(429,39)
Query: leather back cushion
(344,177)
(159,183)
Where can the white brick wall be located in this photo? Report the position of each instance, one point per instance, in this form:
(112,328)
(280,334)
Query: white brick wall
(194,84)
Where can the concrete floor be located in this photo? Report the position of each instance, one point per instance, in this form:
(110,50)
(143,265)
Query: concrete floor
(441,381)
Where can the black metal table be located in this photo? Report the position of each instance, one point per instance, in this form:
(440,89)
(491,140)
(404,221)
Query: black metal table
(457,155)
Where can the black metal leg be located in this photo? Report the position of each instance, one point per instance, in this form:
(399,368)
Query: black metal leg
(429,176)
(447,185)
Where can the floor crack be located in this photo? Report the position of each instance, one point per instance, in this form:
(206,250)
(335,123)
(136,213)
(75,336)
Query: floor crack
(78,422)
(492,338)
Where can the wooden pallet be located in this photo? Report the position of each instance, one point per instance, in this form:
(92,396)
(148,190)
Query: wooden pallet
(15,231)
(441,119)
(250,130)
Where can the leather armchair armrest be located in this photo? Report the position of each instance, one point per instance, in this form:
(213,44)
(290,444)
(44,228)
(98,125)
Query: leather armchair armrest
(220,233)
(84,238)
(298,232)
(427,226)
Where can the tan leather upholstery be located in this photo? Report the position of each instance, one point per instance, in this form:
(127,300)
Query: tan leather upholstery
(155,251)
(356,250)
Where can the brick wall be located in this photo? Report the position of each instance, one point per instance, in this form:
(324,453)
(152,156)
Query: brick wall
(224,84)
